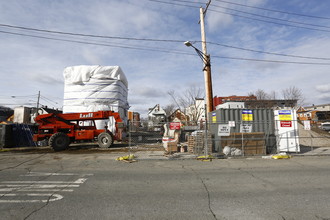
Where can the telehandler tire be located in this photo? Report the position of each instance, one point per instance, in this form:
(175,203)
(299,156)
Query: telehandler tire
(59,141)
(104,140)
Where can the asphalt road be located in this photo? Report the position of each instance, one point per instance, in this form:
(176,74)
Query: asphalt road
(46,185)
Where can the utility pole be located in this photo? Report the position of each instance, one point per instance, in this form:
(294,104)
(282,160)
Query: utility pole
(38,103)
(207,63)
(207,76)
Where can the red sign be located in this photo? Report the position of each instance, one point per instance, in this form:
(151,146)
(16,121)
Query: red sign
(286,123)
(175,125)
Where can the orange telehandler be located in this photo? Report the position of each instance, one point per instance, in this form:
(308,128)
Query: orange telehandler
(61,129)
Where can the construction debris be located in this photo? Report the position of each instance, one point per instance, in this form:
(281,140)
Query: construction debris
(281,156)
(207,158)
(129,158)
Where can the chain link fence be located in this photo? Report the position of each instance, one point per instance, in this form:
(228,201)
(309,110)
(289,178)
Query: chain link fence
(223,137)
(230,139)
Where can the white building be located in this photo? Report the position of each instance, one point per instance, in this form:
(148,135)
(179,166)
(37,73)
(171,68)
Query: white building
(156,117)
(196,111)
(324,107)
(229,105)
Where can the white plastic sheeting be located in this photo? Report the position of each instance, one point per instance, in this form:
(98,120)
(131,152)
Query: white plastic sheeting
(95,88)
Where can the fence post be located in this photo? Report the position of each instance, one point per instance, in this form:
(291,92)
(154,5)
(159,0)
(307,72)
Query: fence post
(243,144)
(206,136)
(129,136)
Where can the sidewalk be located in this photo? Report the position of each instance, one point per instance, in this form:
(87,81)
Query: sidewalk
(313,151)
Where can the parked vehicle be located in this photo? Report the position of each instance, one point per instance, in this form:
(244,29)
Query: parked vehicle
(62,129)
(325,126)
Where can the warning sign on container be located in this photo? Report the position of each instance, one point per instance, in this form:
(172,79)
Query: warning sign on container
(247,115)
(285,115)
(223,130)
(246,128)
(286,124)
(214,117)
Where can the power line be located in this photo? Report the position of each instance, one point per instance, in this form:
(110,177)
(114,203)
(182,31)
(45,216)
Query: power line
(273,10)
(48,100)
(268,17)
(17,96)
(98,44)
(270,53)
(86,35)
(139,39)
(162,50)
(172,3)
(270,61)
(255,19)
(271,22)
(258,15)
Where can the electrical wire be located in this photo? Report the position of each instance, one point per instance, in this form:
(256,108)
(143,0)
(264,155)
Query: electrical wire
(87,35)
(270,53)
(268,17)
(162,50)
(258,15)
(271,22)
(242,16)
(99,44)
(139,39)
(271,61)
(172,3)
(273,10)
(19,96)
(48,100)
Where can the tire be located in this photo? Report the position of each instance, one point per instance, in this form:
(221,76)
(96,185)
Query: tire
(104,140)
(59,141)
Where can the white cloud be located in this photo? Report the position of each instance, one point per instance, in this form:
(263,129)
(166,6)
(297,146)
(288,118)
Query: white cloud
(323,88)
(216,21)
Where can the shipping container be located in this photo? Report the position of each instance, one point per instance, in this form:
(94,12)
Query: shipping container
(243,127)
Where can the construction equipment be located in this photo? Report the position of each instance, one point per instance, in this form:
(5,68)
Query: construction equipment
(62,129)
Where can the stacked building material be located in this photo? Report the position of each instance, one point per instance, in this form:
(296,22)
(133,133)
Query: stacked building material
(196,143)
(95,88)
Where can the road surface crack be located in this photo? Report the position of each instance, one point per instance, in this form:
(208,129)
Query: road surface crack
(207,192)
(12,167)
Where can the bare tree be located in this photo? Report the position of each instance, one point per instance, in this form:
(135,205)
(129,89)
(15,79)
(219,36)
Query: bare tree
(260,94)
(169,109)
(293,93)
(272,95)
(174,98)
(188,101)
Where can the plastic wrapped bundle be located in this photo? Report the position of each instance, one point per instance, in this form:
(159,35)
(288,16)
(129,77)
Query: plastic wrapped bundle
(95,88)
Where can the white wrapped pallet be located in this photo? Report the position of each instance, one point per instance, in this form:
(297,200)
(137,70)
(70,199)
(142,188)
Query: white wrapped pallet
(95,88)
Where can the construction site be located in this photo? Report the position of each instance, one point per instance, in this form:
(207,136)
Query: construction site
(96,117)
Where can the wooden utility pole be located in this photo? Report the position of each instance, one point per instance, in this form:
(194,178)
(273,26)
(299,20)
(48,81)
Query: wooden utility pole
(207,64)
(38,103)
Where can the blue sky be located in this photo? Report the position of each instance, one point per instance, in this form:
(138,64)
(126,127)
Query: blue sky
(30,64)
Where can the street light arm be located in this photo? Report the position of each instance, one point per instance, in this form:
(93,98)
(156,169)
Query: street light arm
(202,55)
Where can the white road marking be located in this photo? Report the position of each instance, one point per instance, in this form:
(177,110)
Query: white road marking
(57,197)
(54,174)
(49,187)
(42,186)
(81,180)
(34,190)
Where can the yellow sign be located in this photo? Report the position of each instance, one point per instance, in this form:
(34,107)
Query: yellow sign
(214,117)
(247,115)
(285,115)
